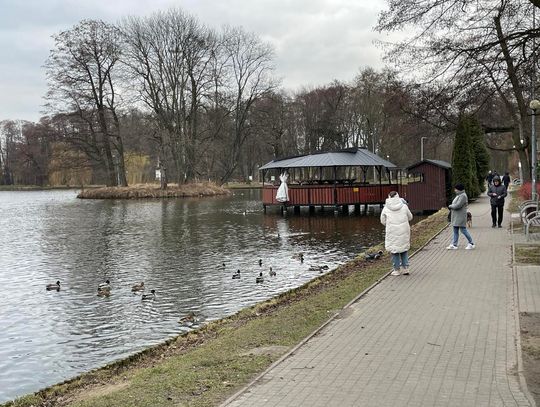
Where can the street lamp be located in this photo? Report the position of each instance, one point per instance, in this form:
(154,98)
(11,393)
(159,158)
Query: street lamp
(422,148)
(534,105)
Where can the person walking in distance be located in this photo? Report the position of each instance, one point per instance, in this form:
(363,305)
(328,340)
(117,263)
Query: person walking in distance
(396,216)
(489,178)
(497,193)
(458,218)
(506,180)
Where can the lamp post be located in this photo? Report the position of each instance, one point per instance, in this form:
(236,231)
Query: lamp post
(422,148)
(534,105)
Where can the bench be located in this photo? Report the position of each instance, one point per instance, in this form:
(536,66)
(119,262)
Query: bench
(527,207)
(531,219)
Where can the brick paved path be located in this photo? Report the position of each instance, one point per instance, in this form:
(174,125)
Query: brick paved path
(443,336)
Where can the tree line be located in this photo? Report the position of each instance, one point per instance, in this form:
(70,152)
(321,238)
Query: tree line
(167,93)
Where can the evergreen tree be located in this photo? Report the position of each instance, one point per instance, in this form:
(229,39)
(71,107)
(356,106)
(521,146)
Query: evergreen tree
(463,165)
(481,155)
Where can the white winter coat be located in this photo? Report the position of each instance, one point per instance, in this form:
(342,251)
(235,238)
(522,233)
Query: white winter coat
(396,216)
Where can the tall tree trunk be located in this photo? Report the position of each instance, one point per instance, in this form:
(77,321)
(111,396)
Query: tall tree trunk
(521,138)
(109,162)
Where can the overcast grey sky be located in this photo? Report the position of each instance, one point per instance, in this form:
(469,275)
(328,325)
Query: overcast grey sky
(316,41)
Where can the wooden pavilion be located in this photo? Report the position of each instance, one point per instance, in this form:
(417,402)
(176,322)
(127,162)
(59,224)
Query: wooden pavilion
(334,178)
(340,178)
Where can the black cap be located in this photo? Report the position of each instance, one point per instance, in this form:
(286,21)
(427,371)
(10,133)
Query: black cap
(460,187)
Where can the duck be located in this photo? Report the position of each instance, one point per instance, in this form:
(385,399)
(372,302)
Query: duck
(55,286)
(222,266)
(138,287)
(236,275)
(260,262)
(150,296)
(104,292)
(272,272)
(105,285)
(318,268)
(189,319)
(260,278)
(373,256)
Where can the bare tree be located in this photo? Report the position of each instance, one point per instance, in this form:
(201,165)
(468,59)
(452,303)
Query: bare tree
(249,69)
(170,57)
(82,72)
(470,44)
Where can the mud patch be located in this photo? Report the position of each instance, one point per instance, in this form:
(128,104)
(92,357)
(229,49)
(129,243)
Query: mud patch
(530,344)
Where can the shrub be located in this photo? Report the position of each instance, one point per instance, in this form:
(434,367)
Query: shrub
(525,190)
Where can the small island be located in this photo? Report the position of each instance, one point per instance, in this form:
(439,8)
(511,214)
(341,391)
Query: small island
(153,191)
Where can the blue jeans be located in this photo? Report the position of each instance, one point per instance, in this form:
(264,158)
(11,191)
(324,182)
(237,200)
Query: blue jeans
(465,233)
(400,260)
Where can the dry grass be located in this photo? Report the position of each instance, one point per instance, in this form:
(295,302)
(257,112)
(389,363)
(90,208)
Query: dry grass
(152,191)
(527,254)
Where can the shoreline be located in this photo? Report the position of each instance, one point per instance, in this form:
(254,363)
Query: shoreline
(235,349)
(153,191)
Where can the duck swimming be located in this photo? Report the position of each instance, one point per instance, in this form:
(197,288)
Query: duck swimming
(138,287)
(104,292)
(105,285)
(189,319)
(260,278)
(150,296)
(53,286)
(260,262)
(272,272)
(236,275)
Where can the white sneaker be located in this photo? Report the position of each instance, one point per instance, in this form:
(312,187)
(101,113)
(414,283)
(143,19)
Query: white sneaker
(452,247)
(470,246)
(406,271)
(395,273)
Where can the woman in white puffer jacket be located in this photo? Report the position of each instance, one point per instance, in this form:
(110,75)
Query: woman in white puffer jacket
(396,216)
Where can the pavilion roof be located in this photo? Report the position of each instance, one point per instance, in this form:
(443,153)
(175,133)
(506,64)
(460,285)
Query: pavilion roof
(350,157)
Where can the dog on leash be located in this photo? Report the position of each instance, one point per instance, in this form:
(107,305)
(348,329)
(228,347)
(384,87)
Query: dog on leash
(469,220)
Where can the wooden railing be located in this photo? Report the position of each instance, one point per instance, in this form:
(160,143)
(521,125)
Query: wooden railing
(308,195)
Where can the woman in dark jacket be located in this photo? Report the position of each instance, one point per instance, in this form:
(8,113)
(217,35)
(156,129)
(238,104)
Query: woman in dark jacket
(497,193)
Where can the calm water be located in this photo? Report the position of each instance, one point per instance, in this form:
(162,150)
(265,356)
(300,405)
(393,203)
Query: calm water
(174,246)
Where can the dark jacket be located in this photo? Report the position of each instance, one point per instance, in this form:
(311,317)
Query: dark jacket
(506,180)
(497,193)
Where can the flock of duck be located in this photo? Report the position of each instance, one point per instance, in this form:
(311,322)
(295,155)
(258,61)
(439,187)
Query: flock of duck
(260,278)
(104,289)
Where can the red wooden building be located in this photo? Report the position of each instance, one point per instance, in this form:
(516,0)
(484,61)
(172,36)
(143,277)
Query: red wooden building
(432,187)
(339,178)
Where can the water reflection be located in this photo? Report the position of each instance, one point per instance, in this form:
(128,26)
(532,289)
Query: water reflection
(174,246)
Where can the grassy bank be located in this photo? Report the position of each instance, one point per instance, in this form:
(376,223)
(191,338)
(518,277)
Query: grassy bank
(152,191)
(243,185)
(204,367)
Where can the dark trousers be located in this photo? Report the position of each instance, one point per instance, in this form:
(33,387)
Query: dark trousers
(497,210)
